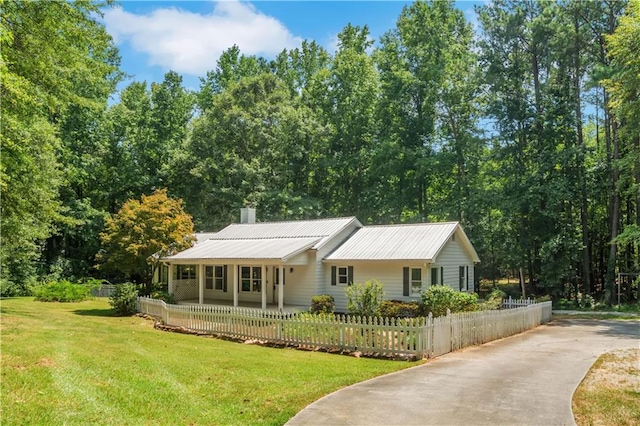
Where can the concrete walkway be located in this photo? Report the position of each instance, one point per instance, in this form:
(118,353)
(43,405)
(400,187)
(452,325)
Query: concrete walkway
(528,379)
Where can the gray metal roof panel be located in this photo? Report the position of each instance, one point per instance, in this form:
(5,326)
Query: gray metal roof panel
(265,248)
(203,236)
(396,242)
(322,229)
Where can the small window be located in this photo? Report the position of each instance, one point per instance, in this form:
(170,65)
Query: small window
(434,276)
(416,281)
(342,275)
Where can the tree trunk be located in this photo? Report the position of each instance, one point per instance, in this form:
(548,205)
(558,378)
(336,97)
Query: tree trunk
(584,218)
(615,211)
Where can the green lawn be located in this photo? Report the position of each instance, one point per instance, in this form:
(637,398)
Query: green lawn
(73,363)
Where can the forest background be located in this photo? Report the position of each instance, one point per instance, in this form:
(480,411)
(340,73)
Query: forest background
(525,129)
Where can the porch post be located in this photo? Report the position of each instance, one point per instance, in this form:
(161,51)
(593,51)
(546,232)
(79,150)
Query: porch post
(281,288)
(201,284)
(235,285)
(263,287)
(170,288)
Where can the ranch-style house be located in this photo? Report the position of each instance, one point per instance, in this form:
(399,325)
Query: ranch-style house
(276,264)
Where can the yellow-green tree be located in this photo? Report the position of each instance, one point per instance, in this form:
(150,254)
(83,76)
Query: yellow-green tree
(142,232)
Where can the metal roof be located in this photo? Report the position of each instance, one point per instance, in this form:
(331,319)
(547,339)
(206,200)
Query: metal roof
(265,248)
(321,229)
(421,241)
(203,236)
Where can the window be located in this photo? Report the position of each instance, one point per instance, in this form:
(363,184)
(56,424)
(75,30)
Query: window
(434,276)
(214,277)
(251,279)
(462,278)
(342,275)
(411,281)
(186,272)
(416,281)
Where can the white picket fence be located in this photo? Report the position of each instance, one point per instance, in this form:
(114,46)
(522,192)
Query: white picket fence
(421,337)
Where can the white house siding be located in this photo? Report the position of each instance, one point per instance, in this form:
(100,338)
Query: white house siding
(451,257)
(389,273)
(299,285)
(323,279)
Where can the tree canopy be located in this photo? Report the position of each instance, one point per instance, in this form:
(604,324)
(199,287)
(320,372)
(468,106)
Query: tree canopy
(523,128)
(142,232)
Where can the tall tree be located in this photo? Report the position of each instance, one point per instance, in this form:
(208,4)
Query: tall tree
(72,61)
(414,59)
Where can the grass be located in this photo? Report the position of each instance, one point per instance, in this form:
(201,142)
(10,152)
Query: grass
(610,392)
(597,316)
(73,363)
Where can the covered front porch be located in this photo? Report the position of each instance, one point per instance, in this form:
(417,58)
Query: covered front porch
(233,284)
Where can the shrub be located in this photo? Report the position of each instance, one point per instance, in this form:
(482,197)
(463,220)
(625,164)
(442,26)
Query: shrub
(63,291)
(438,298)
(494,301)
(365,299)
(9,288)
(124,299)
(322,304)
(164,295)
(399,309)
(585,301)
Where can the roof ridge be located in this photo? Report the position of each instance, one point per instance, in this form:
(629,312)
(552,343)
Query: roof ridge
(390,225)
(296,221)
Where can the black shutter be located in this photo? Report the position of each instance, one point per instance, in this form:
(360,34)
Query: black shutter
(405,282)
(467,278)
(224,278)
(442,275)
(334,272)
(349,275)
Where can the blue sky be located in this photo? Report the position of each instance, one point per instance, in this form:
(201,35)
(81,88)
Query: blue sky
(188,36)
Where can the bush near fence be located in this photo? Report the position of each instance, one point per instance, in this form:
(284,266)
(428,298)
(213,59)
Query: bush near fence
(394,337)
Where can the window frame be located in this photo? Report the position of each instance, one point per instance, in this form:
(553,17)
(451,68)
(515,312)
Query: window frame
(254,280)
(412,281)
(336,275)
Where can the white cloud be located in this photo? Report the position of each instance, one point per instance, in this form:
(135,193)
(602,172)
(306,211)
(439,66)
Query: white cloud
(191,43)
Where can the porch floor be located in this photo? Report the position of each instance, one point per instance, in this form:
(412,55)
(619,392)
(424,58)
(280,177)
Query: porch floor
(252,305)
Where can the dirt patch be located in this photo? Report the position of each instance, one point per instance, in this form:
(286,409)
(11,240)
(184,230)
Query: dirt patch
(46,362)
(614,370)
(610,393)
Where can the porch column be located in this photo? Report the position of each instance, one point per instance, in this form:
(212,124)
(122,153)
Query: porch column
(170,288)
(281,288)
(263,286)
(235,285)
(201,284)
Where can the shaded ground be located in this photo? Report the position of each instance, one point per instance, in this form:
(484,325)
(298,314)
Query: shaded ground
(525,379)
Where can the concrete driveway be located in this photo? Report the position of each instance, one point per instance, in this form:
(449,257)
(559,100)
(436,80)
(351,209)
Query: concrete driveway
(528,379)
